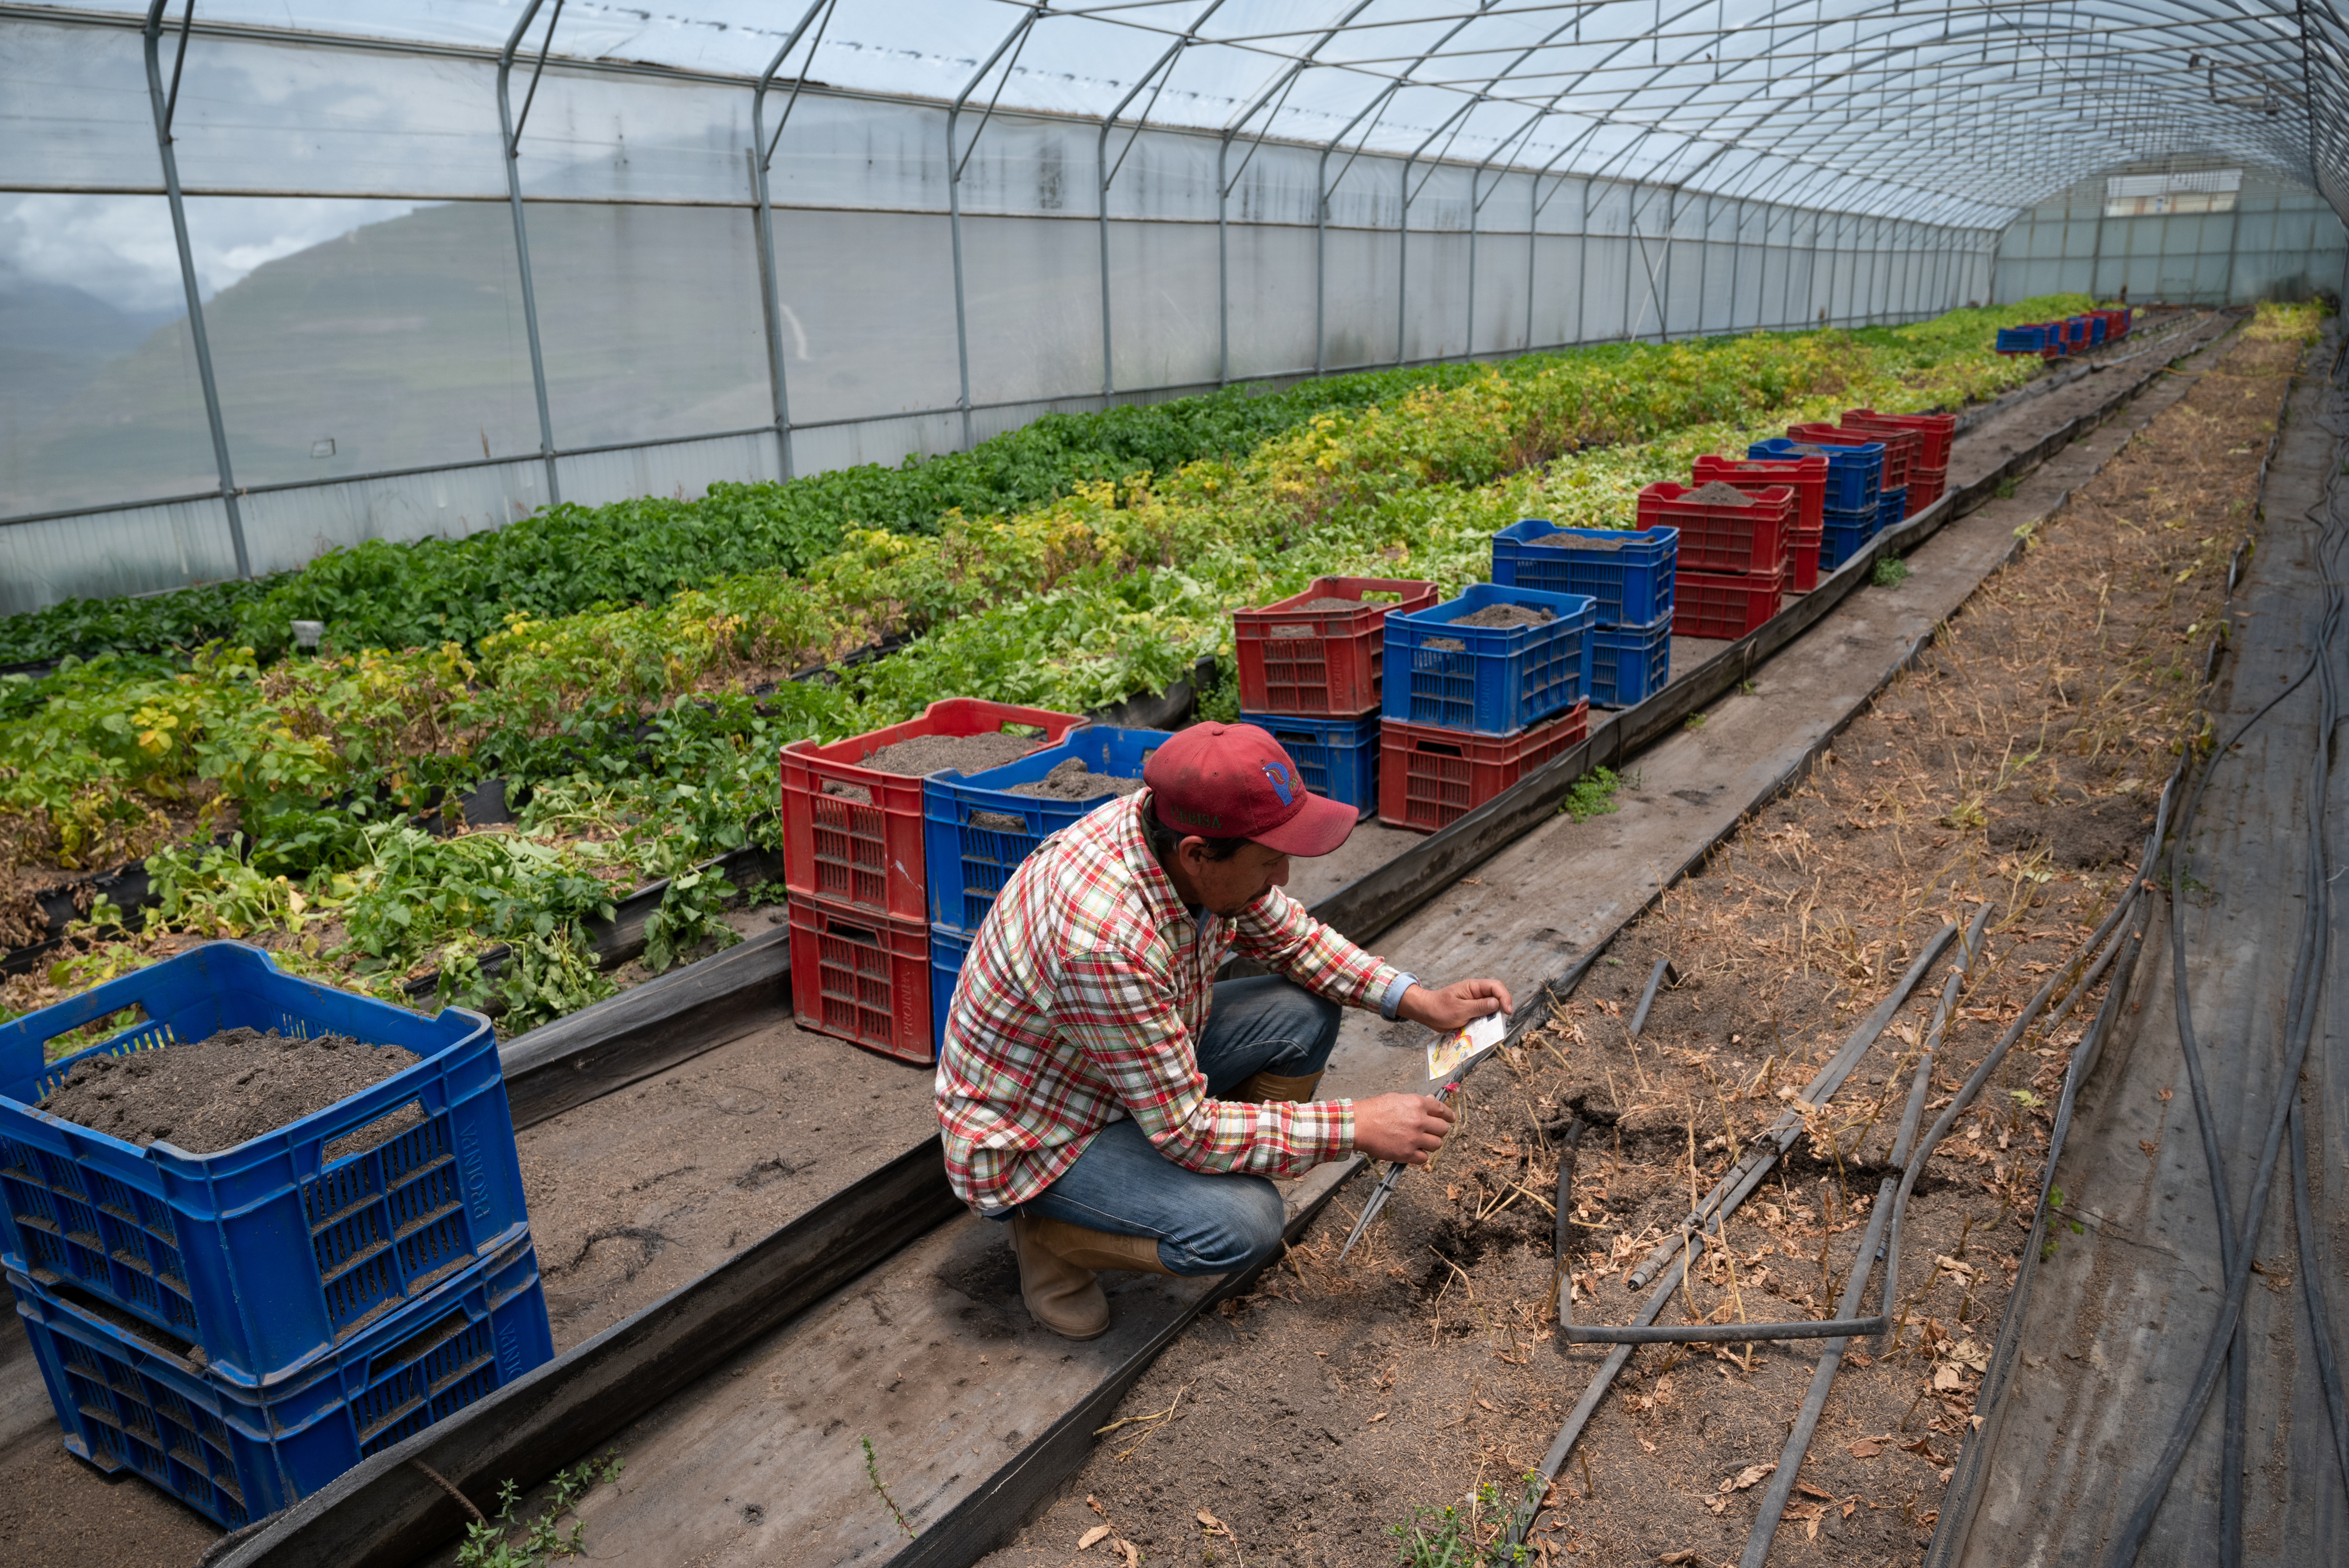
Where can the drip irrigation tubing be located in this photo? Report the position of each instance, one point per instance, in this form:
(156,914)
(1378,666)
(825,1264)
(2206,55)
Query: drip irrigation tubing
(2227,1342)
(2090,960)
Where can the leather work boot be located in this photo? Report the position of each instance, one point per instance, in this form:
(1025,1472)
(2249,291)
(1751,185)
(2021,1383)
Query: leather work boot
(1057,1260)
(1264,1087)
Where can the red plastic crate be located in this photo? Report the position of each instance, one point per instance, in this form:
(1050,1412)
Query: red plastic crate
(868,854)
(1321,664)
(1900,447)
(1749,538)
(1926,487)
(1803,559)
(863,978)
(1938,430)
(1807,477)
(1430,778)
(1714,604)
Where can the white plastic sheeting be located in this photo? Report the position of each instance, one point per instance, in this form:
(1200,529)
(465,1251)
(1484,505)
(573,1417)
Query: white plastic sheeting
(1293,185)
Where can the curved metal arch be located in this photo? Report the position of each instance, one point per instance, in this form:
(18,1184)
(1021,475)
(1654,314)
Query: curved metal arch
(762,152)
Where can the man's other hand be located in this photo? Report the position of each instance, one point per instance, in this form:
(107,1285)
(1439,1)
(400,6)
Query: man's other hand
(1406,1127)
(1456,1005)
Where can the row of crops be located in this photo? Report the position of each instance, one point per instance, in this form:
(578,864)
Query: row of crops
(627,670)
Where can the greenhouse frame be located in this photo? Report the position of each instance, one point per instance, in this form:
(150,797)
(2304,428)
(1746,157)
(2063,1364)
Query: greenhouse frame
(438,266)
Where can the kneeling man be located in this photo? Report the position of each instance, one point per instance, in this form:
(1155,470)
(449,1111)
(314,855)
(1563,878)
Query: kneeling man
(1100,1089)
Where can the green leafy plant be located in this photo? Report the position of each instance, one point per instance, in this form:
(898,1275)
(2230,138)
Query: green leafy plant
(1889,573)
(492,1543)
(1593,795)
(1475,1534)
(872,1478)
(1693,722)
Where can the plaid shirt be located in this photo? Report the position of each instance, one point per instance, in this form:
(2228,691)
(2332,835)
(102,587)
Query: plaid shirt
(1078,1003)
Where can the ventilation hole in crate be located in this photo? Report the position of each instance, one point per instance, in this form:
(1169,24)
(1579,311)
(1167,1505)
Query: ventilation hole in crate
(417,1346)
(382,1129)
(137,1328)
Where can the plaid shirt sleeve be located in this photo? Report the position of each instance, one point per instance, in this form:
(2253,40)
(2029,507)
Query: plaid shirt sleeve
(1276,931)
(1117,1010)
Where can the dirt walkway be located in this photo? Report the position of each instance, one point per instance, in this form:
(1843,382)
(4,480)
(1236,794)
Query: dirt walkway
(2017,765)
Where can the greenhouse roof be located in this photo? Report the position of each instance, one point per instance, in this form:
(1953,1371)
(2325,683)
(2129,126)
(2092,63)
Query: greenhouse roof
(1953,113)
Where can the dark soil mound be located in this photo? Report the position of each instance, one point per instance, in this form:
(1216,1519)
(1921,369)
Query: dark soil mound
(1507,616)
(1715,493)
(216,1093)
(2082,835)
(1071,780)
(929,753)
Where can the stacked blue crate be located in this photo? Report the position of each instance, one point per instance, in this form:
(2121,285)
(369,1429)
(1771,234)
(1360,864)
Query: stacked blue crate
(1627,573)
(240,1327)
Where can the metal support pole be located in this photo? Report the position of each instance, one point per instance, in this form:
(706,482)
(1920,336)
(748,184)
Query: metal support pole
(1223,267)
(1736,260)
(1533,226)
(1402,261)
(522,241)
(1703,265)
(2234,235)
(2096,256)
(954,210)
(197,337)
(769,273)
(1165,62)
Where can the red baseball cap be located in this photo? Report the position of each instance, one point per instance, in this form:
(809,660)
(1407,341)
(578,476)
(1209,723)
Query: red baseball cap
(1233,781)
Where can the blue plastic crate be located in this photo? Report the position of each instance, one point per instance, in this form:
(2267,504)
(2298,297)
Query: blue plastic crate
(969,862)
(1500,679)
(1630,665)
(1627,572)
(1890,507)
(131,1399)
(2021,339)
(271,1253)
(1840,541)
(948,948)
(1854,473)
(1336,756)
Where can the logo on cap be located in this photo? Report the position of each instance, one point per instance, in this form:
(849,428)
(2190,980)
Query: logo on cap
(1279,777)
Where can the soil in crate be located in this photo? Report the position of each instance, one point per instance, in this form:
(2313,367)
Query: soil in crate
(215,1093)
(926,754)
(1071,780)
(1493,615)
(1329,602)
(1713,493)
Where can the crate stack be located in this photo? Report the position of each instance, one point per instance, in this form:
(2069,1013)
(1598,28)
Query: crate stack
(1901,451)
(976,828)
(1628,575)
(1734,550)
(2073,334)
(1312,668)
(853,839)
(1471,705)
(1854,494)
(1806,475)
(1928,474)
(240,1327)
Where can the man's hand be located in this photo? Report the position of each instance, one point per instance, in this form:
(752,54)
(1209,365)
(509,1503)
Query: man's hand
(1455,1005)
(1406,1127)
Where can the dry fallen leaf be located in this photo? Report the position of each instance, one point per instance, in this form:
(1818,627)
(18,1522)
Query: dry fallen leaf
(1946,1379)
(1210,1521)
(1807,1489)
(1922,1445)
(1379,1417)
(1096,1506)
(1866,1448)
(1487,1403)
(1746,1477)
(2150,1149)
(1092,1537)
(1678,1559)
(2163,1096)
(1131,1553)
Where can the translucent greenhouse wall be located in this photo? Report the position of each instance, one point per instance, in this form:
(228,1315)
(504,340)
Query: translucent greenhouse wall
(376,381)
(2243,235)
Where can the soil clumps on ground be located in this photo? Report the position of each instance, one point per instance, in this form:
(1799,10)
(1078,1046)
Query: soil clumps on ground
(215,1093)
(1333,1404)
(1072,780)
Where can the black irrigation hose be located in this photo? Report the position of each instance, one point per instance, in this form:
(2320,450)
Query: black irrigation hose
(1844,1324)
(2227,1341)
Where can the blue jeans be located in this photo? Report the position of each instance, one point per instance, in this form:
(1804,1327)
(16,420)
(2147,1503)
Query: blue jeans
(1205,1224)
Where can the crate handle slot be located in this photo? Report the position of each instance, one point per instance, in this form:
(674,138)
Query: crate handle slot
(348,1143)
(847,932)
(416,1347)
(1437,746)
